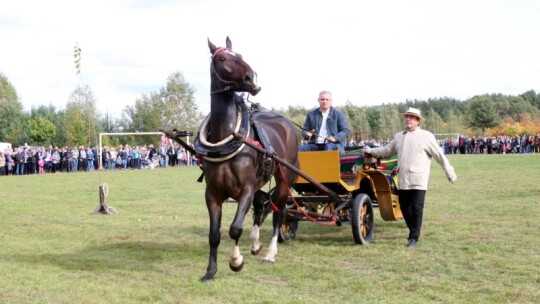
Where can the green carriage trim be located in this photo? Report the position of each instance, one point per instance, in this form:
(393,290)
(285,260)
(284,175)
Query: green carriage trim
(354,156)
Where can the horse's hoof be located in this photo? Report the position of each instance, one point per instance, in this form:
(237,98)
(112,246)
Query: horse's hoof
(267,261)
(208,277)
(237,268)
(257,252)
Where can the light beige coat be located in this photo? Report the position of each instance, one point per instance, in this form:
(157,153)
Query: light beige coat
(415,150)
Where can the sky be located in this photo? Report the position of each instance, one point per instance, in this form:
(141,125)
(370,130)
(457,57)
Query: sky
(364,52)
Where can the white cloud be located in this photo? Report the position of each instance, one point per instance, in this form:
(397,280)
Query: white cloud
(368,52)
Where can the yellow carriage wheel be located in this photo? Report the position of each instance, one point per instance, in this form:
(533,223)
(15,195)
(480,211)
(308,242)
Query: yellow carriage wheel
(362,219)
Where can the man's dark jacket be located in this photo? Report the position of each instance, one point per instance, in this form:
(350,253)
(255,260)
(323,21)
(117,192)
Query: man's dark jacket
(336,124)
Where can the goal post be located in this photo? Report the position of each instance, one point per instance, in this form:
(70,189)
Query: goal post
(442,136)
(100,151)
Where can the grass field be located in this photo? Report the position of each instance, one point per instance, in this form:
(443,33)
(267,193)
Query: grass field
(480,243)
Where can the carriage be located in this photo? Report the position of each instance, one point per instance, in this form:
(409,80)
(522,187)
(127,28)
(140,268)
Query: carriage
(334,189)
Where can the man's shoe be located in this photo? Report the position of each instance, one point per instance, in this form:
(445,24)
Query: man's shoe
(412,243)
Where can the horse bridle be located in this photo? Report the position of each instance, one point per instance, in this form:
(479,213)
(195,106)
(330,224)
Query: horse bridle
(230,85)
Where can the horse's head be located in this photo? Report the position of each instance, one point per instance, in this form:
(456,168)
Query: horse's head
(230,72)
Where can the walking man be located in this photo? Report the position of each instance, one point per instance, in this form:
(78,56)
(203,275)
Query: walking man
(415,148)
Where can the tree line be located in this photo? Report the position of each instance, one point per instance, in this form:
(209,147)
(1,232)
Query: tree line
(80,122)
(174,106)
(481,115)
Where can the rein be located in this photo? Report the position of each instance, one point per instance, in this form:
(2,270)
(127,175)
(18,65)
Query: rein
(299,126)
(334,215)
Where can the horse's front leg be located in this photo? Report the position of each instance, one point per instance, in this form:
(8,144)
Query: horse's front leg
(214,236)
(236,260)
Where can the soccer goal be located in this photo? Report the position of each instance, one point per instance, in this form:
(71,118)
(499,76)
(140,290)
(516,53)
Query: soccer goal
(440,137)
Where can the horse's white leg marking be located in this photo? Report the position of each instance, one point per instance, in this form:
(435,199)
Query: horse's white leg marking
(235,258)
(254,238)
(272,251)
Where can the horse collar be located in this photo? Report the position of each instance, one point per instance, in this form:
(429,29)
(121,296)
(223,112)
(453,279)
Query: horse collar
(228,147)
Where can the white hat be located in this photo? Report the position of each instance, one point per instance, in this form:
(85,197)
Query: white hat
(413,112)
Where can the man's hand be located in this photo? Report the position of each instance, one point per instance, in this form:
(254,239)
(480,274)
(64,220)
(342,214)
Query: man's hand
(310,133)
(453,179)
(367,150)
(331,139)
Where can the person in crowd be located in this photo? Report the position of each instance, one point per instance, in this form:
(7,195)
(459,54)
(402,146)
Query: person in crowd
(69,159)
(105,157)
(48,160)
(31,161)
(163,155)
(96,157)
(153,157)
(41,160)
(461,144)
(83,161)
(129,158)
(171,155)
(75,159)
(122,151)
(136,156)
(10,162)
(90,159)
(55,160)
(181,157)
(112,158)
(415,148)
(472,146)
(144,157)
(63,159)
(2,164)
(325,127)
(18,156)
(481,145)
(26,158)
(151,151)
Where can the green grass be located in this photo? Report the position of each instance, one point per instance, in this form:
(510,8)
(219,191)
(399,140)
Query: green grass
(480,243)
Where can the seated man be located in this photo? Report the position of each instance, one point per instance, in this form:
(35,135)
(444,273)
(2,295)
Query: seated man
(325,128)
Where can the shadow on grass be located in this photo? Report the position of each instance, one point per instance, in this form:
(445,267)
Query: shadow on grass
(123,252)
(332,235)
(141,256)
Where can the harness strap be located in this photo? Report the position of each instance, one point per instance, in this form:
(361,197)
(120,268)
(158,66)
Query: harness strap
(263,136)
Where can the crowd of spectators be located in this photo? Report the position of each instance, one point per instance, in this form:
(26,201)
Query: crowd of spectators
(40,160)
(501,144)
(27,159)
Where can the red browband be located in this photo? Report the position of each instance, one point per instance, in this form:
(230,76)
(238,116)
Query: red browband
(219,50)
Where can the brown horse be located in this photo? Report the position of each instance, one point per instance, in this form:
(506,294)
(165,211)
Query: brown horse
(232,170)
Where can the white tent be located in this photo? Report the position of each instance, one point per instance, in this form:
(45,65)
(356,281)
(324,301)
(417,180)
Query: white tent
(4,146)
